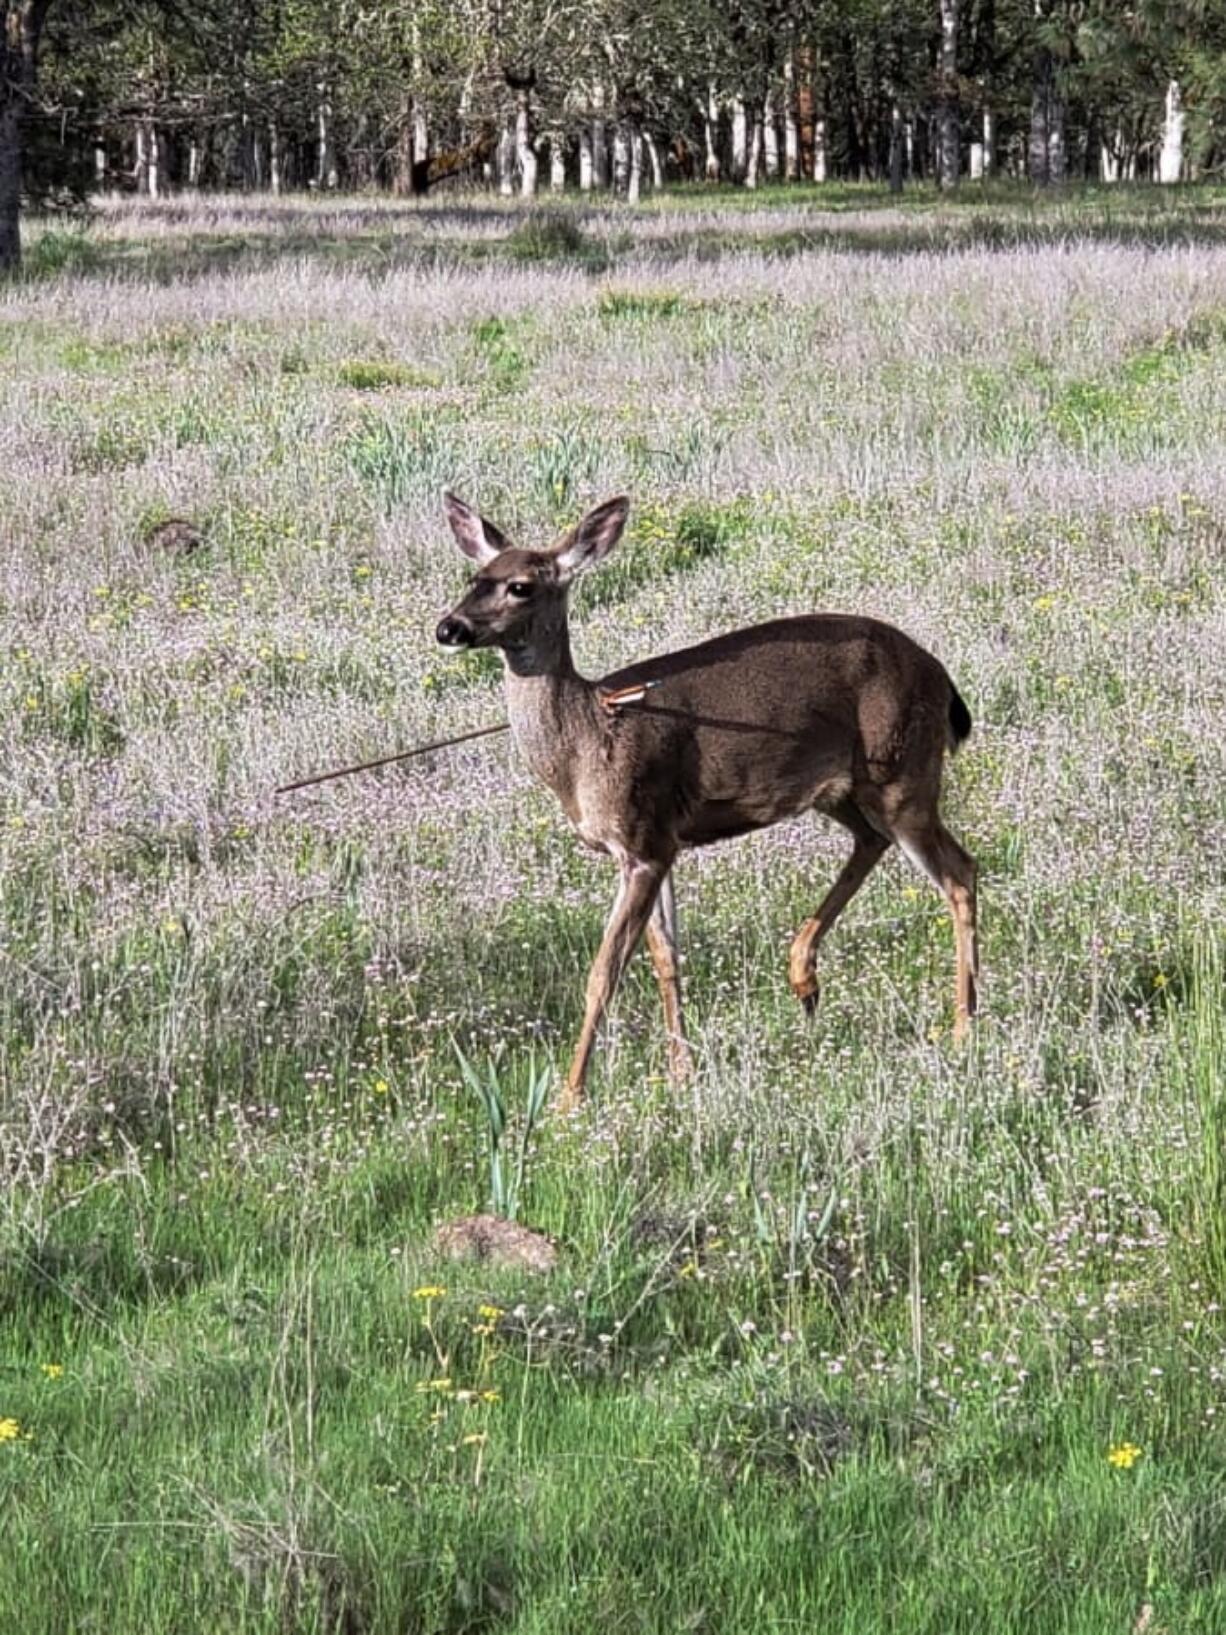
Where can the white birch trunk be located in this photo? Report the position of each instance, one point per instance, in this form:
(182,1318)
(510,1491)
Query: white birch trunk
(153,162)
(634,180)
(770,140)
(989,141)
(142,159)
(820,161)
(99,164)
(791,129)
(653,158)
(740,140)
(585,159)
(325,165)
(976,162)
(1109,164)
(504,161)
(710,133)
(525,148)
(897,147)
(947,141)
(621,161)
(754,162)
(1170,159)
(274,157)
(557,162)
(600,140)
(193,163)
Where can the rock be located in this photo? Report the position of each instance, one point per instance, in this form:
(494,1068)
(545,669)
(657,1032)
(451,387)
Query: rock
(497,1242)
(176,534)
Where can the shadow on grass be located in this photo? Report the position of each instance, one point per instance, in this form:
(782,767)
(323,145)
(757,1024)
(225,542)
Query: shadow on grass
(381,237)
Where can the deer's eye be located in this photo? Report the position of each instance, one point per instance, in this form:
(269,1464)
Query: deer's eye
(521,589)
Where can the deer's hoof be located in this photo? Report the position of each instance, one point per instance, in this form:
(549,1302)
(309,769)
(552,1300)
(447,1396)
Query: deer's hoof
(809,998)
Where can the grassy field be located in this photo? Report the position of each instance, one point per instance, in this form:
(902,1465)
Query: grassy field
(862,1331)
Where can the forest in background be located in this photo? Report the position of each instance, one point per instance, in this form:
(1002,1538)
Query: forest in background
(599,94)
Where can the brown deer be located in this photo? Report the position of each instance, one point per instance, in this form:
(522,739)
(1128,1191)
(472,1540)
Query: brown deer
(831,712)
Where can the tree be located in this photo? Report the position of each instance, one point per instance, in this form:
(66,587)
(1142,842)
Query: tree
(23,23)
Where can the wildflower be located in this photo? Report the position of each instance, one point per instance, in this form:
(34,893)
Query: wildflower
(1124,1455)
(477,1439)
(10,1430)
(491,1396)
(490,1313)
(380,1087)
(53,1370)
(429,1291)
(442,1386)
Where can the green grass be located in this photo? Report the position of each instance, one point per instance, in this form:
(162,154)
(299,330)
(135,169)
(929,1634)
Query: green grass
(843,1334)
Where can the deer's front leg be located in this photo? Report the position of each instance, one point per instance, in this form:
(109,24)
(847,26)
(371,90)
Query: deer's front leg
(636,897)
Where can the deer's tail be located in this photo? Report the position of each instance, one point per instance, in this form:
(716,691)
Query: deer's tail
(959,720)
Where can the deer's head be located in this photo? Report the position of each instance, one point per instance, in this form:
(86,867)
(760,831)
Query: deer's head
(517,599)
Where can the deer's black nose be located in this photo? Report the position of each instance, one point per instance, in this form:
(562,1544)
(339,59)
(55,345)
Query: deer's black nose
(453,632)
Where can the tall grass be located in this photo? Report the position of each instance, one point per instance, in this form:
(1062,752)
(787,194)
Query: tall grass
(861,1331)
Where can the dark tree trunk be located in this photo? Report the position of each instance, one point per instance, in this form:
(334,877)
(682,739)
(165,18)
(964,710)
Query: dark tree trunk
(947,106)
(21,27)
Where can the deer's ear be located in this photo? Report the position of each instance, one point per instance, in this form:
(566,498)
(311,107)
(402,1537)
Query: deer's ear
(480,541)
(592,540)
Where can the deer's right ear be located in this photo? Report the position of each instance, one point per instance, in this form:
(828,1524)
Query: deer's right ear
(480,541)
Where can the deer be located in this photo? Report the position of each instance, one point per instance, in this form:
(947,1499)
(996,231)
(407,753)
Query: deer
(828,712)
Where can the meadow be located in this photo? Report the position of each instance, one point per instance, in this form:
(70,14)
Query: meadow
(862,1330)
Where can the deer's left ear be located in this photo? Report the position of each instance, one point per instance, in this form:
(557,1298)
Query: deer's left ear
(592,540)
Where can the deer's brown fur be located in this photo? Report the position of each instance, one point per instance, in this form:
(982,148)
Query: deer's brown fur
(841,714)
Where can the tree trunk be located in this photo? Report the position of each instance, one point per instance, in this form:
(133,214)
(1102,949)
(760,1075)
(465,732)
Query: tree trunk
(896,148)
(525,146)
(326,175)
(585,159)
(653,159)
(21,27)
(505,161)
(1057,153)
(634,179)
(820,158)
(99,164)
(557,162)
(1170,159)
(947,106)
(740,140)
(770,140)
(989,141)
(806,105)
(975,168)
(621,160)
(753,163)
(791,130)
(10,179)
(193,163)
(600,141)
(710,135)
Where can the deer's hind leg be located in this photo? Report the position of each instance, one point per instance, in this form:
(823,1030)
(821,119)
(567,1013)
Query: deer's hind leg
(953,871)
(870,847)
(662,946)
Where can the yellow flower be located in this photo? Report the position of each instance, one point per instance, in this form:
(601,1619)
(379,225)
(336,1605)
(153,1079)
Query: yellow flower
(10,1430)
(490,1313)
(1124,1455)
(429,1291)
(476,1439)
(53,1370)
(380,1087)
(491,1396)
(442,1386)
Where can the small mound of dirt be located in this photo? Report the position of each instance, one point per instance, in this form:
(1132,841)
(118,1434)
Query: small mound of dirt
(176,534)
(496,1242)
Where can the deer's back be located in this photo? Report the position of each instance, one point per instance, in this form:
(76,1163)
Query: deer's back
(769,721)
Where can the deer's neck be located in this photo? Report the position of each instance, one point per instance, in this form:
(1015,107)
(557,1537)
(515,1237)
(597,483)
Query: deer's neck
(552,709)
